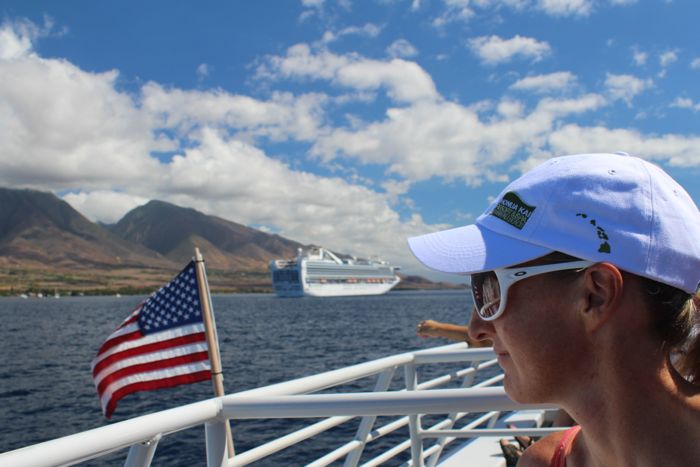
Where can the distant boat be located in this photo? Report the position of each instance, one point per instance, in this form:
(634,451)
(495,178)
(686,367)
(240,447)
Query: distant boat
(320,273)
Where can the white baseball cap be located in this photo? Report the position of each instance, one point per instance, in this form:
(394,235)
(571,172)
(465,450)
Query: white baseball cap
(598,207)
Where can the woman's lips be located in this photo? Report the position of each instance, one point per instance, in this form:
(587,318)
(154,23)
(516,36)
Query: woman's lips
(502,356)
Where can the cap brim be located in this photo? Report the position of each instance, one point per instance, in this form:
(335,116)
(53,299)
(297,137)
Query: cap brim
(470,249)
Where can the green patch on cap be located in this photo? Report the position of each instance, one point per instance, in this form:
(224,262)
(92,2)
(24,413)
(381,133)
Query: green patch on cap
(513,210)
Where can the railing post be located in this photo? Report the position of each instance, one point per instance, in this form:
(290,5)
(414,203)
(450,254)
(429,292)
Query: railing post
(353,457)
(215,433)
(414,420)
(442,442)
(141,454)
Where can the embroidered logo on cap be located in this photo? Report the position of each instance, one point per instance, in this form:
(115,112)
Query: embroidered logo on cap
(513,210)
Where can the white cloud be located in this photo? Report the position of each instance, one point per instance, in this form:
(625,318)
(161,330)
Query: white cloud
(667,58)
(455,10)
(695,64)
(17,37)
(448,140)
(67,129)
(237,181)
(105,206)
(15,40)
(401,48)
(282,117)
(566,7)
(61,126)
(368,30)
(639,57)
(559,81)
(686,103)
(403,80)
(493,50)
(202,71)
(626,87)
(675,150)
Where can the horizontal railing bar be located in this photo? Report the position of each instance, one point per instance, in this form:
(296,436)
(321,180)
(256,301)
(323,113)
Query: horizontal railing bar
(336,454)
(500,432)
(389,454)
(333,378)
(444,379)
(100,441)
(368,403)
(489,382)
(447,356)
(278,444)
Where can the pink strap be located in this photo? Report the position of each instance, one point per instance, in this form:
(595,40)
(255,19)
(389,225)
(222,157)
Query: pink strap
(564,447)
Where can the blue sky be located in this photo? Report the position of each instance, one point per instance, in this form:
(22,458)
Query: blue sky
(348,124)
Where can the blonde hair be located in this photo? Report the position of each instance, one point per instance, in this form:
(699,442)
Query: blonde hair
(688,363)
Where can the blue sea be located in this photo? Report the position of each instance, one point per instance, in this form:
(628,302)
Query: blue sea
(47,344)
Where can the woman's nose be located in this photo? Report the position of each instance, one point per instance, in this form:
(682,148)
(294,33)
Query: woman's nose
(479,329)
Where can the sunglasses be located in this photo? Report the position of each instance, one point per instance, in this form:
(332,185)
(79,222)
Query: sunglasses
(490,289)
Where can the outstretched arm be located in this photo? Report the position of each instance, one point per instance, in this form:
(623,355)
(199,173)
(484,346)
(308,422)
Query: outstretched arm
(455,332)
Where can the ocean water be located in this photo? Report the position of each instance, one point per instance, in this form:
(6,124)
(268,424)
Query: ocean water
(47,344)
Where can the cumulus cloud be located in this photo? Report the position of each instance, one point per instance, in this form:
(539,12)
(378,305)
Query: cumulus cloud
(675,150)
(18,36)
(667,58)
(695,64)
(202,71)
(104,206)
(566,7)
(61,126)
(639,57)
(401,48)
(455,10)
(403,80)
(282,117)
(368,30)
(686,103)
(449,140)
(626,87)
(493,50)
(559,81)
(239,181)
(68,130)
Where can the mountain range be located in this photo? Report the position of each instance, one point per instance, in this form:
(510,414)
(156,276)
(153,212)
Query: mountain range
(46,245)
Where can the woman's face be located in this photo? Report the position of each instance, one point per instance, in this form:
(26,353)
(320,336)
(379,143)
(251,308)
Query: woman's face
(537,339)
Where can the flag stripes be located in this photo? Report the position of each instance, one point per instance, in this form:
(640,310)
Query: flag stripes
(161,344)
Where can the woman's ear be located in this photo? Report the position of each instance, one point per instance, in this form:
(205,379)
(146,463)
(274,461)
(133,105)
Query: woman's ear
(603,288)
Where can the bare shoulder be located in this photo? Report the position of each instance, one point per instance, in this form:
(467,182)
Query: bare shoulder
(540,453)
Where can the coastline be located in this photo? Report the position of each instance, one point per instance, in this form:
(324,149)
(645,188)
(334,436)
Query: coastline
(95,281)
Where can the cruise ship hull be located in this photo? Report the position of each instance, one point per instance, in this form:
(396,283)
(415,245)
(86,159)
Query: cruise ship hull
(322,274)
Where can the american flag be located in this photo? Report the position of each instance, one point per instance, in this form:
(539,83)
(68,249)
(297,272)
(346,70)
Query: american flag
(161,344)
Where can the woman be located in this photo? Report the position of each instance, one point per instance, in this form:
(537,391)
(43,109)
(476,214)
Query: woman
(583,272)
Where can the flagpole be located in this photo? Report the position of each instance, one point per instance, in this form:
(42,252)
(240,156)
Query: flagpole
(217,376)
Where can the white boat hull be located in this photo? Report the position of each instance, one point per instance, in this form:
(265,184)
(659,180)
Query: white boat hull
(348,289)
(326,275)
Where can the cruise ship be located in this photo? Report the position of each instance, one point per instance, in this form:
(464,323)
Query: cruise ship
(320,273)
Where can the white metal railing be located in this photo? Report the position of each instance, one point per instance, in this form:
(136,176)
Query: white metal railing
(295,399)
